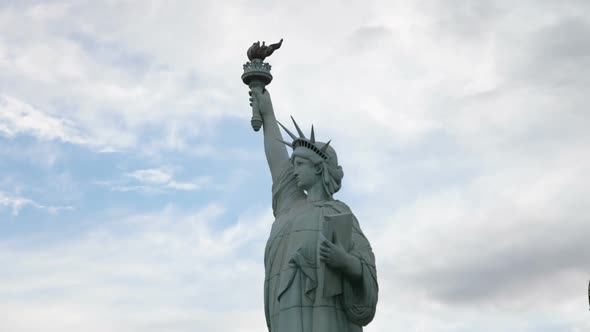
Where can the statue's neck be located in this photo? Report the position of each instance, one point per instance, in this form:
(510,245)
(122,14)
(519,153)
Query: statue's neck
(317,193)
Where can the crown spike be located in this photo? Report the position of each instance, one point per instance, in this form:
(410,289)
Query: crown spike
(325,147)
(301,135)
(312,138)
(287,130)
(286,143)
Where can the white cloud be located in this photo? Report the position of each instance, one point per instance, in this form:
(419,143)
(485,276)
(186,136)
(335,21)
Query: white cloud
(167,271)
(183,185)
(16,204)
(155,176)
(160,178)
(155,181)
(492,245)
(18,118)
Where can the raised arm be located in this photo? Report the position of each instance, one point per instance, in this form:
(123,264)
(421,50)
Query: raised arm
(276,152)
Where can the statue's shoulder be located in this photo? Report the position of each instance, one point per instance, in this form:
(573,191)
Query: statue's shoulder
(339,206)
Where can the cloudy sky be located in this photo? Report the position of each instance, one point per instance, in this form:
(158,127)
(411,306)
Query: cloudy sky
(134,196)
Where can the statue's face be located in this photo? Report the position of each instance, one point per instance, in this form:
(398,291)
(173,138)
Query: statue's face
(306,173)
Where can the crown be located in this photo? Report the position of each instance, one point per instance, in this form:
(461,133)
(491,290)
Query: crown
(302,141)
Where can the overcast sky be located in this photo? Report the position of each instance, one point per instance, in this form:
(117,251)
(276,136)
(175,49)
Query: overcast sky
(134,195)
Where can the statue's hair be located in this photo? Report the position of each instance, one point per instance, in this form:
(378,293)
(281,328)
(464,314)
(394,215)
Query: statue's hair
(332,178)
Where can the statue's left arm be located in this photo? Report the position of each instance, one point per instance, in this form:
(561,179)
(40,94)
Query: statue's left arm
(359,297)
(360,288)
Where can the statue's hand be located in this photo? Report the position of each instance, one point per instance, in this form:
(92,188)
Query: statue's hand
(260,97)
(334,255)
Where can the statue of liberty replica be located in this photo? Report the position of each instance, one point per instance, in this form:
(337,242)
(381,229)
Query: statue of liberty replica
(320,271)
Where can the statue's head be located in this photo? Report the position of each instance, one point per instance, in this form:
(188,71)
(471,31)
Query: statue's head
(314,162)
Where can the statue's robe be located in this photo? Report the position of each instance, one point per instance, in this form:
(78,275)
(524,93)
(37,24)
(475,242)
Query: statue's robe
(294,300)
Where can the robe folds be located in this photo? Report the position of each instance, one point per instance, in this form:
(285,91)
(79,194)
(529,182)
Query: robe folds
(294,275)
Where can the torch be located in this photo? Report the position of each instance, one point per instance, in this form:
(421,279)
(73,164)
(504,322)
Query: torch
(257,74)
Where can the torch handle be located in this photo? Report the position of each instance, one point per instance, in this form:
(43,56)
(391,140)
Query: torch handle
(256,121)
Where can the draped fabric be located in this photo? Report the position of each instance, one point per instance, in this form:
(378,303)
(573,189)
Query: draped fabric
(294,275)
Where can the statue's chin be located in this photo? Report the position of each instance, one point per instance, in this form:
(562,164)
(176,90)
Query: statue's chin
(301,185)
